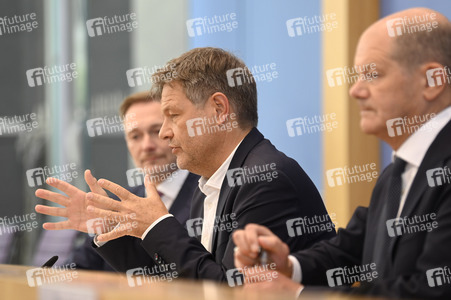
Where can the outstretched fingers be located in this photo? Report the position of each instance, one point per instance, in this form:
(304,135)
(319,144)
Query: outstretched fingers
(63,186)
(105,203)
(57,226)
(51,211)
(52,196)
(93,185)
(116,189)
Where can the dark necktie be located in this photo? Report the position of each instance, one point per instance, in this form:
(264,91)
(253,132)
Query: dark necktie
(381,255)
(394,192)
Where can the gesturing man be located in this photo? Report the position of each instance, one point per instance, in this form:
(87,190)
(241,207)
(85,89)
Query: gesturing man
(404,236)
(210,119)
(154,157)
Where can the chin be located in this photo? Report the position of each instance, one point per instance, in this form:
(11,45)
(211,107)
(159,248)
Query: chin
(368,128)
(181,163)
(185,162)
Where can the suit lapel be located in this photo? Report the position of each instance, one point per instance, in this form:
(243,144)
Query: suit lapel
(434,158)
(182,203)
(248,143)
(197,207)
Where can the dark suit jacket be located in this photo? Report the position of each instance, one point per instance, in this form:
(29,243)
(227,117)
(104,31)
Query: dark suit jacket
(411,254)
(291,195)
(85,257)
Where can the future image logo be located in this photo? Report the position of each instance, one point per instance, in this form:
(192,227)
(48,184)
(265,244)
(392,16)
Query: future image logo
(309,25)
(110,25)
(48,75)
(410,25)
(211,25)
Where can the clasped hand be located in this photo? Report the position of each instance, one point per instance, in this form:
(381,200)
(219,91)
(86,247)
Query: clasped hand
(248,243)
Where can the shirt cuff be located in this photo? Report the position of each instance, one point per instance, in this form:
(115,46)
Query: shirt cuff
(297,271)
(155,224)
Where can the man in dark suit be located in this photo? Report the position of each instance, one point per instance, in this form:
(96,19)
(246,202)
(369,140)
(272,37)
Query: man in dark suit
(210,115)
(400,243)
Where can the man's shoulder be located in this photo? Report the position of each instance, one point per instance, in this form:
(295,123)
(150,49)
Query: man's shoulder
(264,164)
(266,153)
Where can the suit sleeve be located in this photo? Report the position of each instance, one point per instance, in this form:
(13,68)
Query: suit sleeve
(85,257)
(124,253)
(343,250)
(268,204)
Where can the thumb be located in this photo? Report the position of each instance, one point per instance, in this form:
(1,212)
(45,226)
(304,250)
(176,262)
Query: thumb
(270,243)
(93,185)
(151,189)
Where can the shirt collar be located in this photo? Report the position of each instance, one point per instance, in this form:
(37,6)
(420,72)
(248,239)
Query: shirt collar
(171,186)
(415,147)
(215,181)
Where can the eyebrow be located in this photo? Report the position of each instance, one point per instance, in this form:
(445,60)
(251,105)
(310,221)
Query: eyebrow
(156,125)
(170,106)
(153,126)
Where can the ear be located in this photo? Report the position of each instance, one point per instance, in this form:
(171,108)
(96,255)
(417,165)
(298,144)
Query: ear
(220,104)
(436,80)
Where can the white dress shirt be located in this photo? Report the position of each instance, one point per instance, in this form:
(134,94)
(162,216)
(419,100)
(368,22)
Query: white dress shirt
(210,205)
(412,151)
(211,188)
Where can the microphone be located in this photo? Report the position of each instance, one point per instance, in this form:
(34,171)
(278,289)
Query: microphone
(50,262)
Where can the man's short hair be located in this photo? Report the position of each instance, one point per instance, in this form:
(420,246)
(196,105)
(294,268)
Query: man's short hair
(203,72)
(412,50)
(132,99)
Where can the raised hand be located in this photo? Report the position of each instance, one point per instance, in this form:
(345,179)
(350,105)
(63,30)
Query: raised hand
(135,214)
(74,203)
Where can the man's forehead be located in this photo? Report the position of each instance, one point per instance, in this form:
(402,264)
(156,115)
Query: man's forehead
(372,55)
(173,96)
(144,123)
(170,88)
(374,45)
(143,107)
(171,104)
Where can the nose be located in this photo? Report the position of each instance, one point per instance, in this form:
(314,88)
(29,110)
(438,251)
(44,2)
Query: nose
(359,90)
(165,130)
(149,142)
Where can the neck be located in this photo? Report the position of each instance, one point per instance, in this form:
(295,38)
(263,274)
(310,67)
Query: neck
(224,150)
(407,127)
